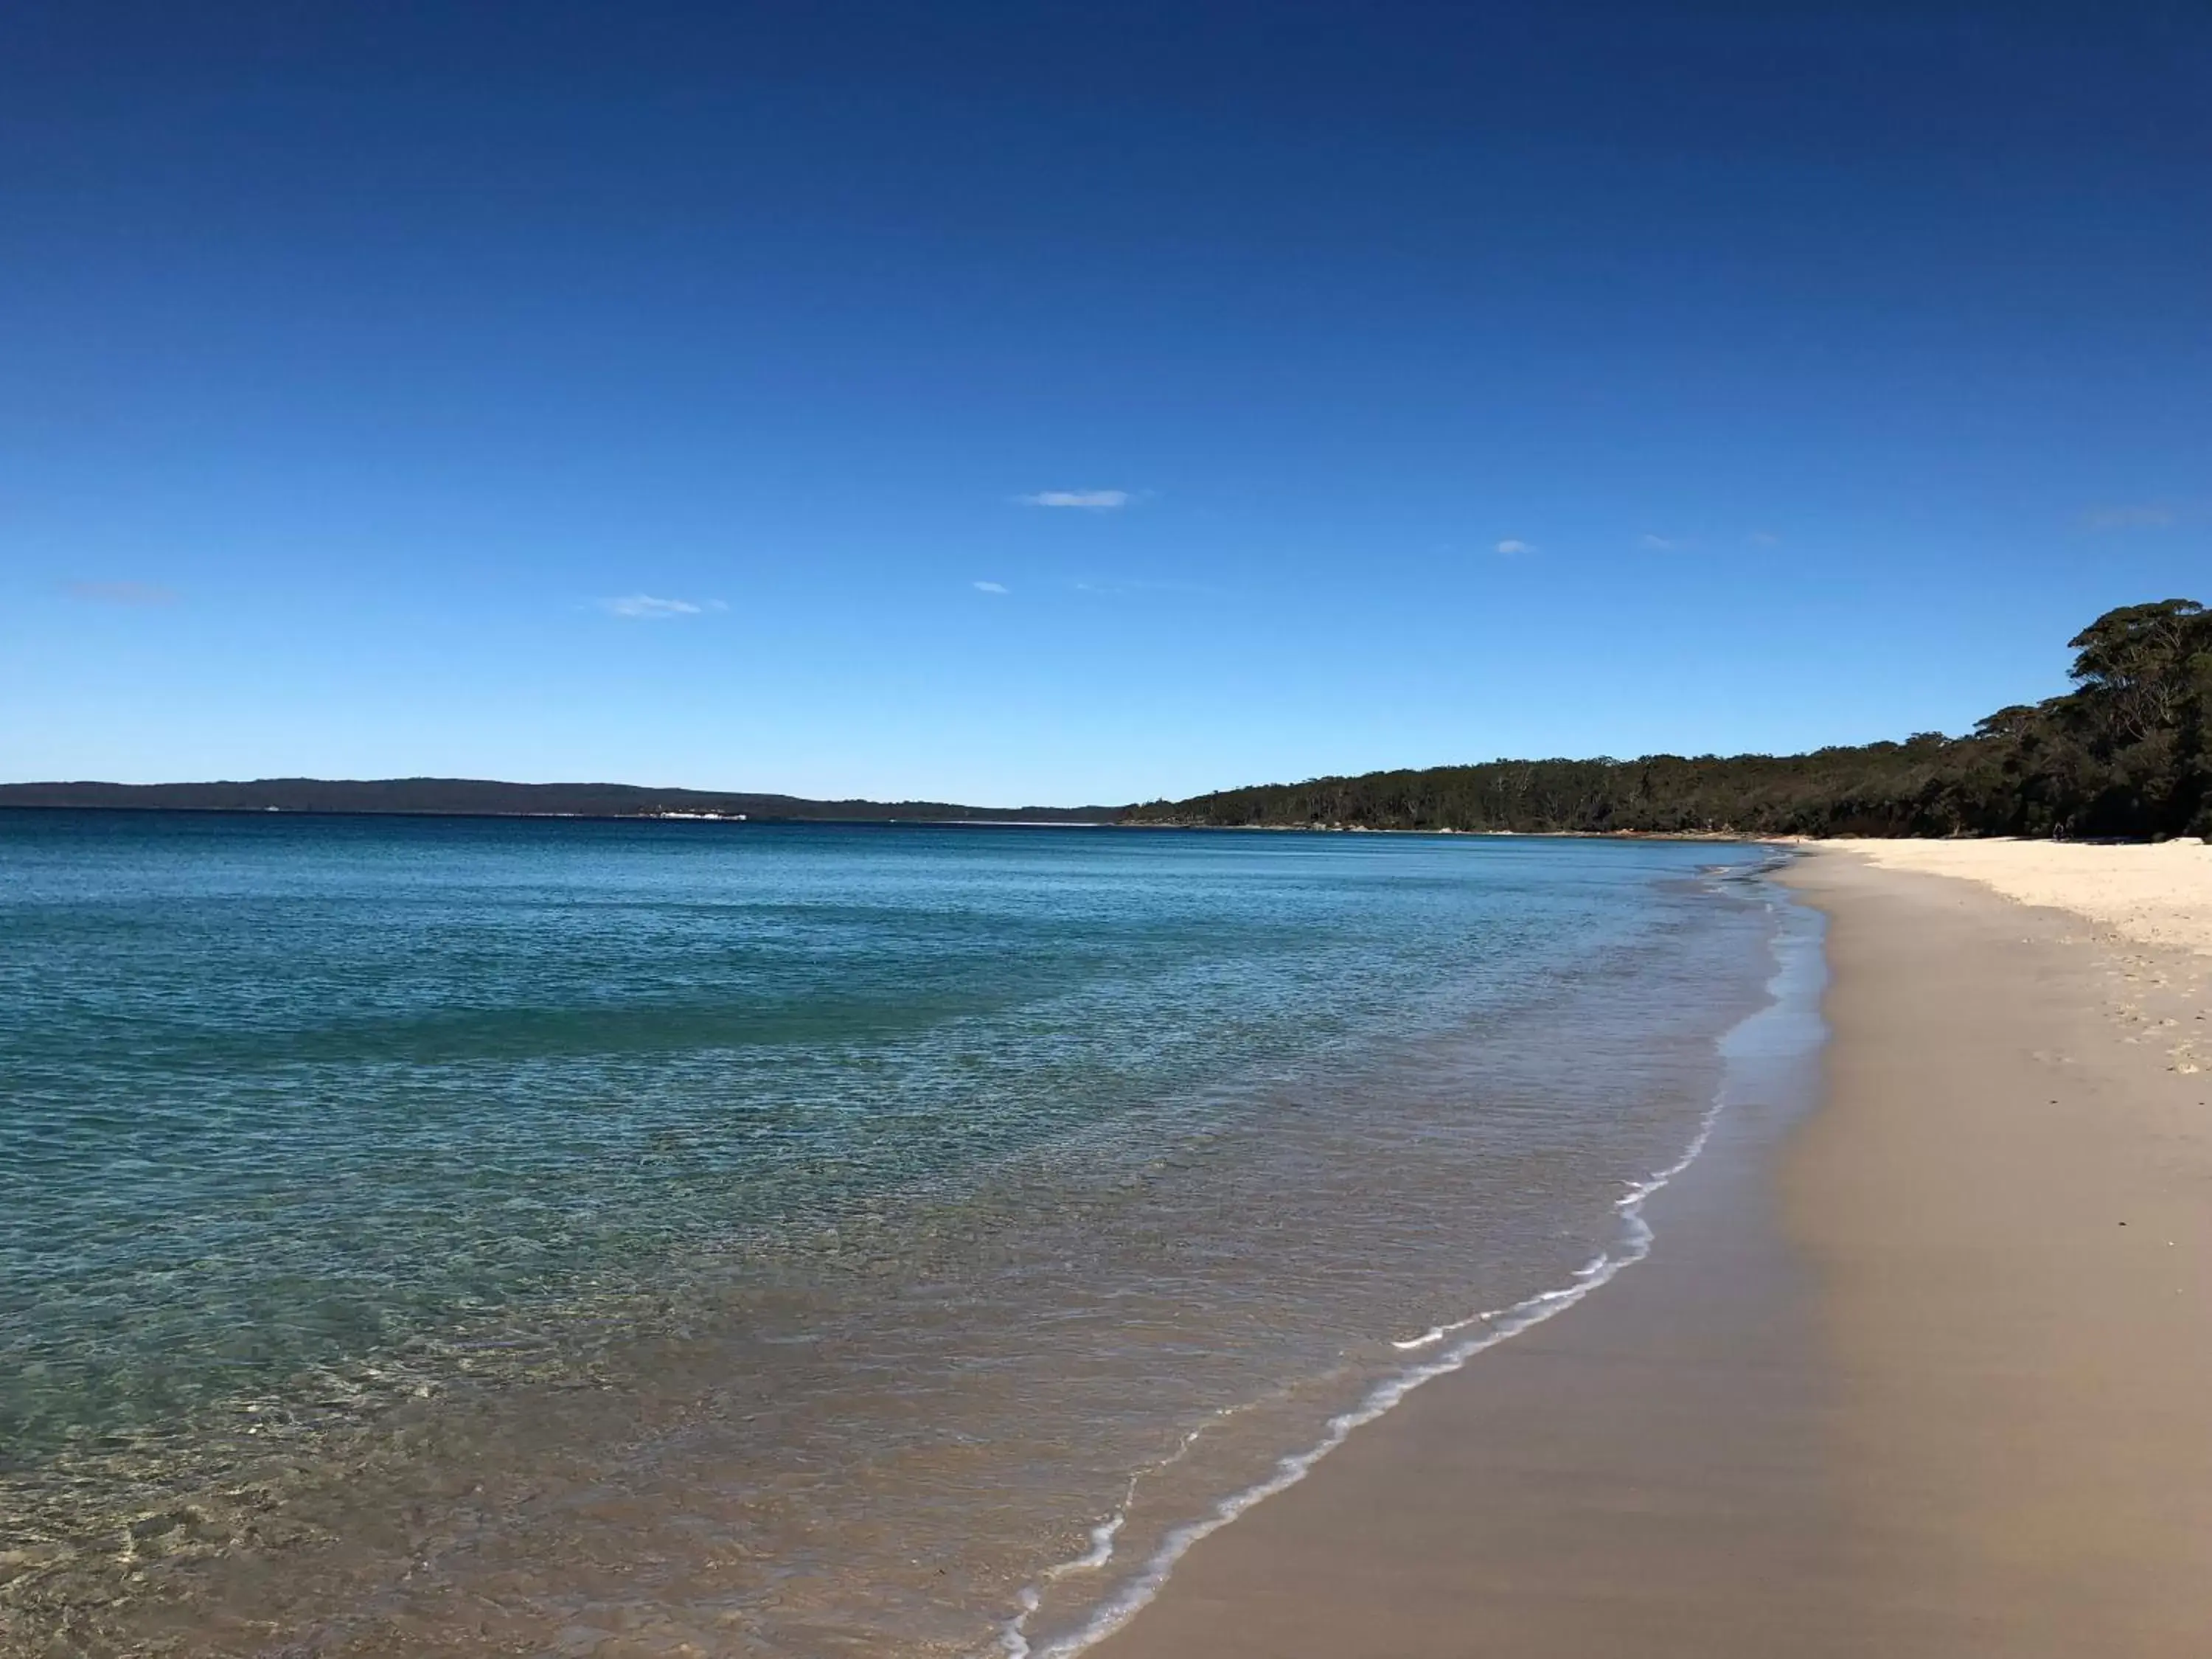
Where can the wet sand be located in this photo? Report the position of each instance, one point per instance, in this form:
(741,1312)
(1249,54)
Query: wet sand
(1924,1373)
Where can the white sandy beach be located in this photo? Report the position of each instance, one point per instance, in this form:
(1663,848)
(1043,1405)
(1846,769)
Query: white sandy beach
(1927,1382)
(2159,896)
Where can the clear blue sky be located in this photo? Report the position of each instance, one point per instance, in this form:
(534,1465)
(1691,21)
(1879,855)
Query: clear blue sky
(1078,403)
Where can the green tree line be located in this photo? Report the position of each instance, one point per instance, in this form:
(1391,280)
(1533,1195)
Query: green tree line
(2127,752)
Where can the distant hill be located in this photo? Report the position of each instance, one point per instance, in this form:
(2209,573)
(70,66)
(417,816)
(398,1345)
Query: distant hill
(480,797)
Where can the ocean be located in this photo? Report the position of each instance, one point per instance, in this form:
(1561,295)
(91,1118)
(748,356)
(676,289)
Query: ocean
(609,1238)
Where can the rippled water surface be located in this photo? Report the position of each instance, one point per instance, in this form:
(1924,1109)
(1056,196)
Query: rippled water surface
(486,1236)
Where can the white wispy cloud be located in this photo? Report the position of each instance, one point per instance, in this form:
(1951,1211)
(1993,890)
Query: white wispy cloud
(645,607)
(1513,545)
(1764,538)
(1658,543)
(1125,586)
(992,587)
(2143,515)
(129,593)
(1095,500)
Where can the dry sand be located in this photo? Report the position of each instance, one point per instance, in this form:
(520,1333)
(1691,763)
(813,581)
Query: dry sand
(1929,1374)
(2159,895)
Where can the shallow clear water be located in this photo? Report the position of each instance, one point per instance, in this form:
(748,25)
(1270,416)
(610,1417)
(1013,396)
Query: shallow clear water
(473,1236)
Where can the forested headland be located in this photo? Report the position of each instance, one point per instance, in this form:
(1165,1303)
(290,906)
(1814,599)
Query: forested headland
(2127,752)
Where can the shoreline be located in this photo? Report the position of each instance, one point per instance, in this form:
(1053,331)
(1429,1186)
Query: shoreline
(1237,1266)
(1919,1373)
(1250,1589)
(1724,837)
(1775,1032)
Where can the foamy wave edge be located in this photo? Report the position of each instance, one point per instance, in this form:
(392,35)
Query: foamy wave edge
(1501,1325)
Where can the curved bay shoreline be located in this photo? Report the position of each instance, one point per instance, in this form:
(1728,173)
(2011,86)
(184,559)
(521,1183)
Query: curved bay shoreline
(1921,1375)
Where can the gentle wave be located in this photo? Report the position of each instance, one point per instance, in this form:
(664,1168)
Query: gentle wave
(1505,1324)
(1501,1325)
(912,1158)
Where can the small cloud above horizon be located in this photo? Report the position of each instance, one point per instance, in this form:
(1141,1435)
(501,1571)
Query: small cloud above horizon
(1124,586)
(125,593)
(991,588)
(1658,543)
(1091,500)
(1512,544)
(645,607)
(2141,515)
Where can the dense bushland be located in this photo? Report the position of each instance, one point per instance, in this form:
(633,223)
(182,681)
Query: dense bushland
(2127,752)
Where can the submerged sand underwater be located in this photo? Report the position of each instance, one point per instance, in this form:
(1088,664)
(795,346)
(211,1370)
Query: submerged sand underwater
(463,1236)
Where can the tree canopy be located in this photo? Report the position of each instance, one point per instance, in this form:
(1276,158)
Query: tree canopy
(2127,752)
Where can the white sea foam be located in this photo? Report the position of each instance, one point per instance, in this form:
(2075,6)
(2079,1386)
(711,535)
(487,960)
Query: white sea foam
(1500,1326)
(1014,1639)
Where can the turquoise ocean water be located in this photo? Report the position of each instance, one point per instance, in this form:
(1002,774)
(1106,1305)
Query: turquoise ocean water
(502,1236)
